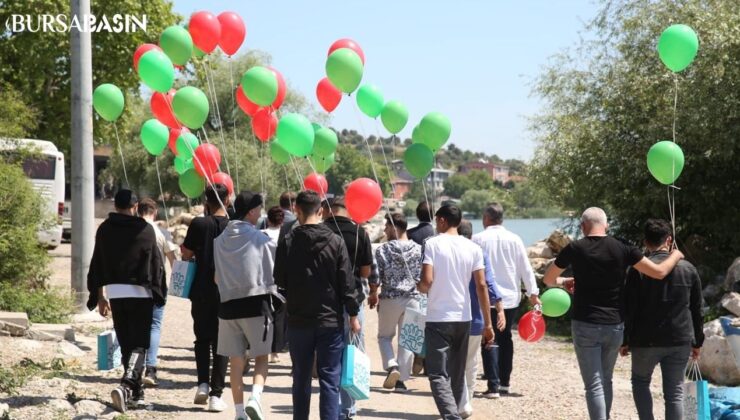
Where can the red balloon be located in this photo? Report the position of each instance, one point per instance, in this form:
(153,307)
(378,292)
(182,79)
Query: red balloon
(174,135)
(264,124)
(141,50)
(161,105)
(347,43)
(206,159)
(250,108)
(205,29)
(532,326)
(316,182)
(282,89)
(328,95)
(223,179)
(233,32)
(363,199)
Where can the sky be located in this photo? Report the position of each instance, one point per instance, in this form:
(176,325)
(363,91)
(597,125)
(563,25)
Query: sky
(472,60)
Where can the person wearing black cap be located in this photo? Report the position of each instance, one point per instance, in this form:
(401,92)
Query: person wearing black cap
(127,278)
(244,258)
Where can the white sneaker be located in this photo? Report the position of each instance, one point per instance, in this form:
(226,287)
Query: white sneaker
(467,413)
(201,395)
(254,409)
(216,404)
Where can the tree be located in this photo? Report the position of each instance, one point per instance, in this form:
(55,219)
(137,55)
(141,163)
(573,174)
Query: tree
(475,201)
(351,164)
(16,118)
(607,101)
(457,184)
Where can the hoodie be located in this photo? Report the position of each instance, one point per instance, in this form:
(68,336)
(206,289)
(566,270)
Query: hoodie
(313,267)
(126,252)
(399,269)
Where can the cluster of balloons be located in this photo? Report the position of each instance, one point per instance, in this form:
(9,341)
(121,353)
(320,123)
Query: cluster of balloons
(428,137)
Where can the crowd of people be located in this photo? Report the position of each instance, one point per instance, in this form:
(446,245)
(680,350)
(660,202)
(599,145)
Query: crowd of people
(303,277)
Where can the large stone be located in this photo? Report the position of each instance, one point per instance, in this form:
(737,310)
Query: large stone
(539,265)
(717,362)
(14,330)
(70,350)
(539,250)
(4,410)
(42,336)
(17,318)
(732,280)
(57,404)
(557,241)
(712,328)
(90,408)
(88,316)
(731,302)
(63,331)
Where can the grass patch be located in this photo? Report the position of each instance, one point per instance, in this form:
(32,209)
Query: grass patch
(48,306)
(14,378)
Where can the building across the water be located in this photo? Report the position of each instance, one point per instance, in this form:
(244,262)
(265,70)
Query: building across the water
(497,172)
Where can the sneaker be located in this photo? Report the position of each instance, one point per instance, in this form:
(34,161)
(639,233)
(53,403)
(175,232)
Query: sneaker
(504,390)
(393,376)
(466,412)
(150,378)
(254,409)
(137,400)
(201,395)
(491,394)
(119,397)
(274,358)
(216,404)
(401,387)
(418,365)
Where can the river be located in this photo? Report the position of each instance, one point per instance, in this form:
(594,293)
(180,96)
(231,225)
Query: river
(530,230)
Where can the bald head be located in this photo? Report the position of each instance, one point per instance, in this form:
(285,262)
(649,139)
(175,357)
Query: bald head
(594,222)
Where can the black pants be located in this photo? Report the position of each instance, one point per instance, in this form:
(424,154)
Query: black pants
(499,361)
(205,327)
(132,321)
(447,349)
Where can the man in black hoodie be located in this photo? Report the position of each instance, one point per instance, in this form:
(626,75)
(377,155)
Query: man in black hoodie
(313,266)
(663,324)
(126,277)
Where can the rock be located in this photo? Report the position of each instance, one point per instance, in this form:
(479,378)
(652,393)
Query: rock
(732,280)
(58,404)
(17,318)
(63,331)
(557,241)
(90,408)
(27,346)
(717,362)
(539,265)
(13,329)
(712,293)
(91,316)
(731,302)
(713,328)
(68,349)
(539,250)
(42,336)
(4,333)
(4,411)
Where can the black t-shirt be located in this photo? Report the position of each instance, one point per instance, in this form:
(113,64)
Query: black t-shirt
(599,267)
(248,307)
(199,239)
(359,248)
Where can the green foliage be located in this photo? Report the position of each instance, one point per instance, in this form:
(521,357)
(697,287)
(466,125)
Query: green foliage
(474,201)
(457,184)
(15,377)
(354,163)
(610,99)
(16,118)
(43,305)
(410,209)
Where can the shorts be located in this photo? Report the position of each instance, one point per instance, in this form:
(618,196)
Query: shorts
(236,336)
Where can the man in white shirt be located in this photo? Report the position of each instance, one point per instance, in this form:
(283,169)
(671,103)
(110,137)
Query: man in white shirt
(511,267)
(449,262)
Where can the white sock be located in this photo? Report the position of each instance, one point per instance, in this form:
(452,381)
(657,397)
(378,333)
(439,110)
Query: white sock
(239,408)
(257,391)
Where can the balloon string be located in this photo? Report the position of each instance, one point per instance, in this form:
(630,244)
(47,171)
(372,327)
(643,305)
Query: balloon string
(671,191)
(426,198)
(287,183)
(218,114)
(297,173)
(234,113)
(267,173)
(120,152)
(331,212)
(161,192)
(364,137)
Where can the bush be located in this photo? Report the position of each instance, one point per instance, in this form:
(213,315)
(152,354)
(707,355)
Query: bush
(42,305)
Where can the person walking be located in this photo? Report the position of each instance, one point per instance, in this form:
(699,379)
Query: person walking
(147,209)
(244,260)
(313,266)
(126,278)
(449,262)
(399,268)
(424,229)
(663,324)
(287,205)
(204,297)
(599,264)
(511,268)
(275,219)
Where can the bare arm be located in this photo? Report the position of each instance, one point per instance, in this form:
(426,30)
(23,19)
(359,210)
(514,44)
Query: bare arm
(365,271)
(659,271)
(552,275)
(187,254)
(427,277)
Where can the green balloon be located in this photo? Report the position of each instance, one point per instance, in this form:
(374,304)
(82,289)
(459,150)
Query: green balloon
(278,153)
(154,136)
(186,145)
(260,85)
(665,161)
(416,135)
(555,302)
(418,159)
(182,165)
(322,163)
(677,47)
(344,69)
(108,101)
(296,134)
(434,130)
(325,141)
(191,106)
(370,100)
(177,44)
(394,116)
(198,53)
(156,71)
(191,184)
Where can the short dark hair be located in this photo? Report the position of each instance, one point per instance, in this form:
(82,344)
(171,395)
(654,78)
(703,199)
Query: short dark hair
(244,202)
(657,231)
(465,229)
(147,206)
(338,202)
(451,214)
(125,199)
(216,194)
(494,212)
(397,220)
(287,199)
(308,201)
(423,213)
(276,215)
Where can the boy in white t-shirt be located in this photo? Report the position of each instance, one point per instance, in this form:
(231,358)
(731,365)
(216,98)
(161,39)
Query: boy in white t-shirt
(449,262)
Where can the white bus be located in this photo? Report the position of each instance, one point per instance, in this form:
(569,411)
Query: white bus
(45,169)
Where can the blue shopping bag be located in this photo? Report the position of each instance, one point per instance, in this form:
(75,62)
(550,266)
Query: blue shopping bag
(355,371)
(696,394)
(109,352)
(181,280)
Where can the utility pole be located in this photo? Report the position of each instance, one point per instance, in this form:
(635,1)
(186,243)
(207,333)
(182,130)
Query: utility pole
(83,206)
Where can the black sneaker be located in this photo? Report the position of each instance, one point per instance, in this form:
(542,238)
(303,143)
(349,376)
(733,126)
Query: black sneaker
(120,398)
(150,378)
(393,376)
(401,387)
(504,390)
(491,394)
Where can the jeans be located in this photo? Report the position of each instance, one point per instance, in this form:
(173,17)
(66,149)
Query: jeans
(151,355)
(597,347)
(672,362)
(328,345)
(498,361)
(471,367)
(447,350)
(205,327)
(132,321)
(347,404)
(390,319)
